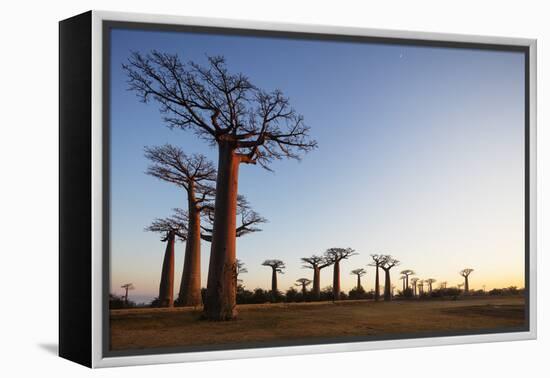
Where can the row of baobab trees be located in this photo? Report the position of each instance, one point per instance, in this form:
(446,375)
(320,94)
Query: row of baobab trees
(333,256)
(247,125)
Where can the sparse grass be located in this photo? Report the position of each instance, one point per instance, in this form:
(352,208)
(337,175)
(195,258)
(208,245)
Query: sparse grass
(155,328)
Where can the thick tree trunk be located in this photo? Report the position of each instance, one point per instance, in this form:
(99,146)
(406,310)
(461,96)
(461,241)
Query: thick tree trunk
(358,282)
(377,285)
(387,286)
(220,301)
(403,286)
(316,283)
(274,290)
(166,288)
(336,281)
(414,289)
(190,287)
(466,286)
(304,290)
(407,282)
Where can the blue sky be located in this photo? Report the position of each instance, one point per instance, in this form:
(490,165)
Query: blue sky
(420,156)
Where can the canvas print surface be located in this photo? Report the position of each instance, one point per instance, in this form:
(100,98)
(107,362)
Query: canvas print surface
(270,190)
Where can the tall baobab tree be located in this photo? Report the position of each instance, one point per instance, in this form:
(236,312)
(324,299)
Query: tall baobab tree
(359,273)
(169,229)
(407,273)
(430,282)
(248,125)
(403,278)
(414,281)
(196,175)
(277,266)
(465,273)
(421,287)
(443,285)
(388,262)
(303,283)
(376,262)
(335,255)
(316,263)
(126,287)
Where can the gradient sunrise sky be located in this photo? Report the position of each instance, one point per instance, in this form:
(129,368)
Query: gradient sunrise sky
(421,155)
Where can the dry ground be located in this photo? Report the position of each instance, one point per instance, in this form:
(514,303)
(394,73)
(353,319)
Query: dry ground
(155,328)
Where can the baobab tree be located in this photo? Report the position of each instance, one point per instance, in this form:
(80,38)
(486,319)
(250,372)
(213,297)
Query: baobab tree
(168,229)
(359,273)
(420,287)
(196,175)
(465,273)
(316,263)
(334,256)
(407,273)
(277,266)
(403,278)
(303,283)
(388,262)
(430,281)
(247,124)
(443,285)
(126,287)
(376,262)
(414,281)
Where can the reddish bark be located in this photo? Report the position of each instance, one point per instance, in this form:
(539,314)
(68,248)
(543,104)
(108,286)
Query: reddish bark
(274,289)
(316,283)
(166,289)
(220,301)
(190,286)
(336,281)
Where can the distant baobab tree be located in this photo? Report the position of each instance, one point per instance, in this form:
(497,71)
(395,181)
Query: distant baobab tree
(359,273)
(465,273)
(277,266)
(303,283)
(126,287)
(316,263)
(403,278)
(169,230)
(407,273)
(392,289)
(335,255)
(430,281)
(248,125)
(443,285)
(460,285)
(196,175)
(420,287)
(376,262)
(414,281)
(388,262)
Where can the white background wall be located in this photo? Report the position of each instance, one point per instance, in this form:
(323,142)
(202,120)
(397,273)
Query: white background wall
(28,190)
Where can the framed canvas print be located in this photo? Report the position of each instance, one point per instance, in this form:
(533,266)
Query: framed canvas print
(233,189)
